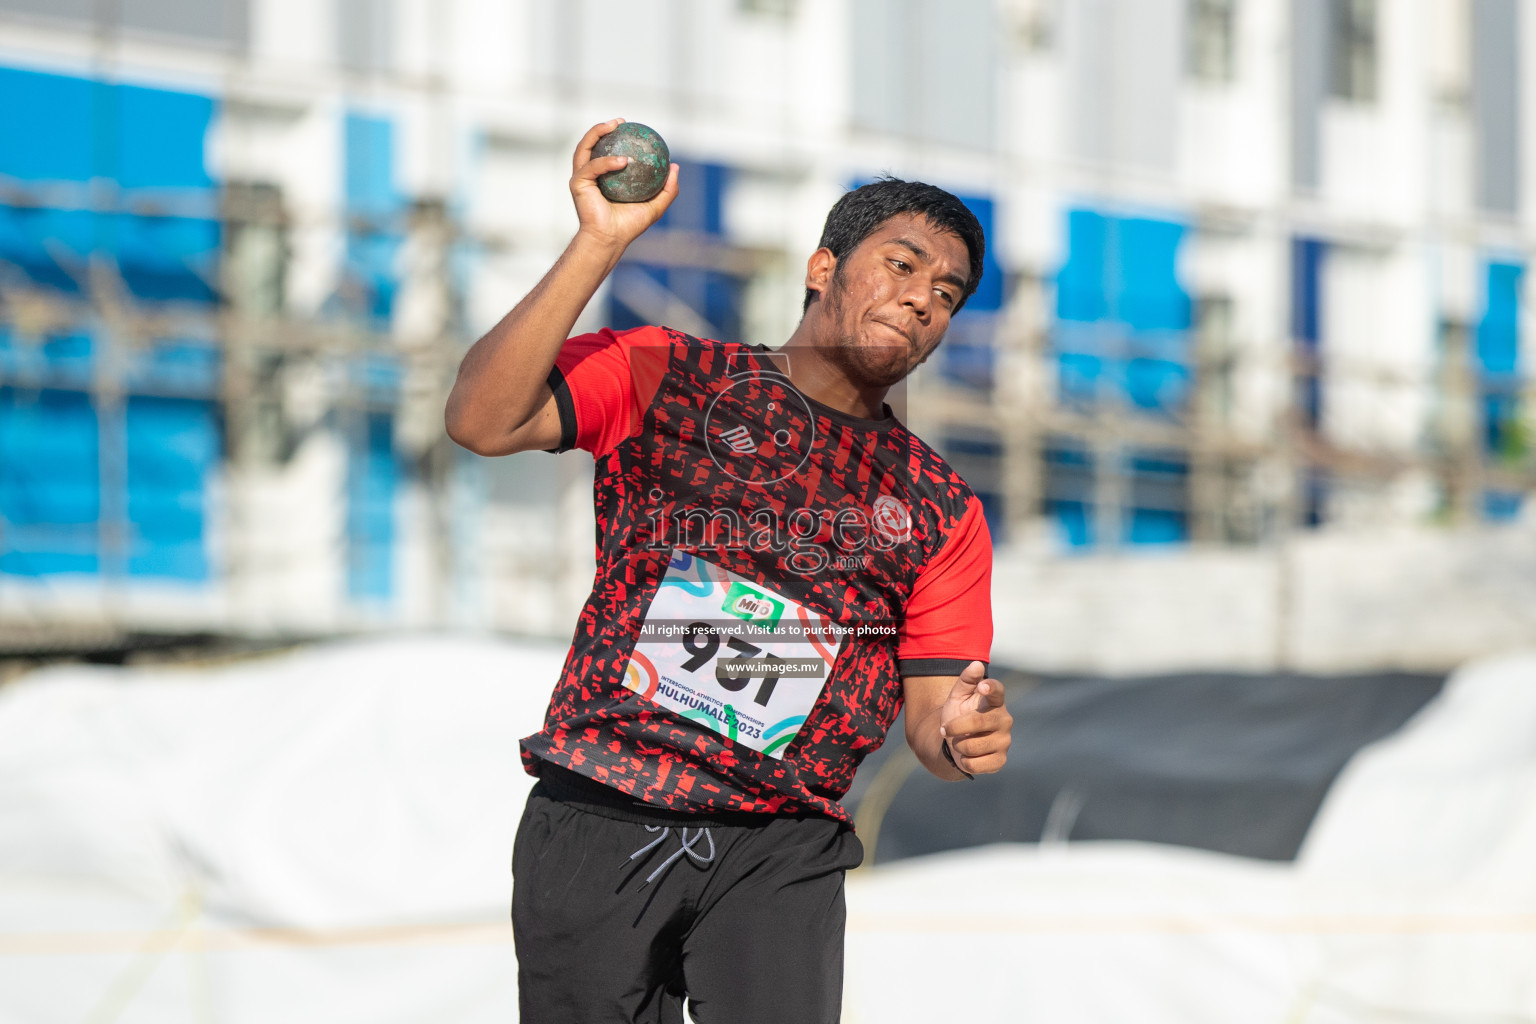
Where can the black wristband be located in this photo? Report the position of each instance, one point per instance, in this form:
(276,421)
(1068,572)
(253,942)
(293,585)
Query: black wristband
(944,746)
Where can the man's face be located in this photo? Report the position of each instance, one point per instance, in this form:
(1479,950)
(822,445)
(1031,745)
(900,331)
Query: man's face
(888,302)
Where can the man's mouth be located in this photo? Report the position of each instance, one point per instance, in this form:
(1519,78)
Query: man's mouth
(905,335)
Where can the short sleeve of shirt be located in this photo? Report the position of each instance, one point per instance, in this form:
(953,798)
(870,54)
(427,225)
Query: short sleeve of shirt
(948,617)
(603,383)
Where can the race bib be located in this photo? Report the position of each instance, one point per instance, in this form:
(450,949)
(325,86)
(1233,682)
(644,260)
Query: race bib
(736,656)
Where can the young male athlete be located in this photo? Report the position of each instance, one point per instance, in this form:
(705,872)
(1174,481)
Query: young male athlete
(780,567)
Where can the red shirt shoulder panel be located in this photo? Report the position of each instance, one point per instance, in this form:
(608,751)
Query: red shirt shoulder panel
(948,617)
(611,377)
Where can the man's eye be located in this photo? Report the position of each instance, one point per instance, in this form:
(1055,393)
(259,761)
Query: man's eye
(899,264)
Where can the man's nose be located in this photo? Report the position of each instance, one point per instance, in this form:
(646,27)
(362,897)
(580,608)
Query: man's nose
(917,297)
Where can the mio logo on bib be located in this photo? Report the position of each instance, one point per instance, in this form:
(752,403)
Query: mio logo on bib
(752,604)
(751,674)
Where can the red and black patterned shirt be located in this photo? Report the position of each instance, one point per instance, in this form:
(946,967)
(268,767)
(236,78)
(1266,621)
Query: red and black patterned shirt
(712,471)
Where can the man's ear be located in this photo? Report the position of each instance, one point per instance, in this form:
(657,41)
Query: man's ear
(818,271)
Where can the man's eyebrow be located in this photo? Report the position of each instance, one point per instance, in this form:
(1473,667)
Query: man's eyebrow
(917,251)
(923,254)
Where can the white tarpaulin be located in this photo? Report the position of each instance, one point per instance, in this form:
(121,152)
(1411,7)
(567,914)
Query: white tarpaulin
(1413,899)
(320,836)
(326,835)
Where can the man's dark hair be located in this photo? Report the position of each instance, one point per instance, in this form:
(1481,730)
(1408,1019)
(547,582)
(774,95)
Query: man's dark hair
(857,214)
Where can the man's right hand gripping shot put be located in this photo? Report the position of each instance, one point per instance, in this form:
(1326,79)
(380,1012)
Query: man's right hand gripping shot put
(781,566)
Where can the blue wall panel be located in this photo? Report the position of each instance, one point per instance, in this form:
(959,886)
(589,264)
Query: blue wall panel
(374,240)
(50,486)
(1069,473)
(700,203)
(1158,511)
(1498,354)
(50,482)
(1122,315)
(1307,290)
(161,139)
(168,258)
(1498,360)
(1081,290)
(64,130)
(1082,302)
(372,473)
(1148,295)
(51,128)
(64,361)
(370,165)
(375,235)
(1122,331)
(190,367)
(1502,506)
(160,258)
(173,447)
(50,247)
(94,155)
(1307,256)
(1498,330)
(376,210)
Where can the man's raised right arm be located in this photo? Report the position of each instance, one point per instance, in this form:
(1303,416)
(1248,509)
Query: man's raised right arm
(501,402)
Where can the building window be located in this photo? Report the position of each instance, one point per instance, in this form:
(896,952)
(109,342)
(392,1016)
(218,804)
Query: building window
(1498,121)
(926,69)
(1215,358)
(219,23)
(365,36)
(1157,486)
(1030,24)
(1069,498)
(1212,40)
(1449,38)
(1352,50)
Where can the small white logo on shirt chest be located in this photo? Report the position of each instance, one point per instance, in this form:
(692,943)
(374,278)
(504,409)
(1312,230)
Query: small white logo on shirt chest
(740,440)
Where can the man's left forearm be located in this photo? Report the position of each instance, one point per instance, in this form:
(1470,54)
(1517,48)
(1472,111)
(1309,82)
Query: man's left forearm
(965,714)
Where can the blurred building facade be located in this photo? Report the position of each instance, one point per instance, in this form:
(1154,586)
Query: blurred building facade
(1257,267)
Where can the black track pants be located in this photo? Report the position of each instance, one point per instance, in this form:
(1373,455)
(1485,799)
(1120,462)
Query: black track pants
(617,920)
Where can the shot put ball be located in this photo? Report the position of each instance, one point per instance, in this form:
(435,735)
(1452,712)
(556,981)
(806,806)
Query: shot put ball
(646,172)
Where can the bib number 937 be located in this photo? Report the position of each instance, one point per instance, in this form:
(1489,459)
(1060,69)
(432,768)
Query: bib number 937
(702,642)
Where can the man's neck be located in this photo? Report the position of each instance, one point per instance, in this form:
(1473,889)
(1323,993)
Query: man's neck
(824,381)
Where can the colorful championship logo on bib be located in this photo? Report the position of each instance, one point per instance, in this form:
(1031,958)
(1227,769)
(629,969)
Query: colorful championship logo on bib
(640,675)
